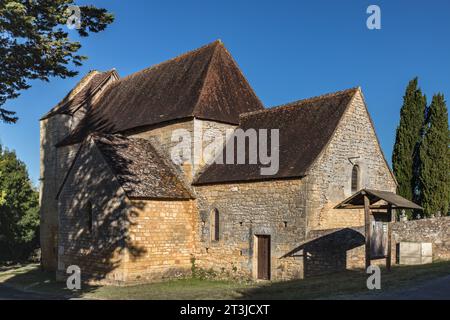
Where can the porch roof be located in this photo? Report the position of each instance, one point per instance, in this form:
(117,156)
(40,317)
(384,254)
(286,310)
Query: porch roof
(356,201)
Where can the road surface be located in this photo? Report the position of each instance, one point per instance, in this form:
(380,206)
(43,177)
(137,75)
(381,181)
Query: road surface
(7,293)
(436,289)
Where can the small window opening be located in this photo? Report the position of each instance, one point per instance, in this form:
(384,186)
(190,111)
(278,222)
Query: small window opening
(215,225)
(355,179)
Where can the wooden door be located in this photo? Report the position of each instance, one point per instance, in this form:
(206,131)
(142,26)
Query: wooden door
(263,258)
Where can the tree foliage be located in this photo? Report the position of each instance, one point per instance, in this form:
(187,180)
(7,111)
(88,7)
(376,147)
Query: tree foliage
(19,209)
(435,159)
(405,159)
(35,43)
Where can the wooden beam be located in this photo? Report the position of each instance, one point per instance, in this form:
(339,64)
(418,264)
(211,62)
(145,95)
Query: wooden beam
(372,207)
(389,248)
(367,227)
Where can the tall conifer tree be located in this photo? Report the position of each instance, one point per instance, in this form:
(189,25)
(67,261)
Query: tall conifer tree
(435,159)
(405,158)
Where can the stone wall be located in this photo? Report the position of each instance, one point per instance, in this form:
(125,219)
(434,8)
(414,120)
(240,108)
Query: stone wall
(54,164)
(53,167)
(131,241)
(329,179)
(274,208)
(100,251)
(435,231)
(334,250)
(164,232)
(200,132)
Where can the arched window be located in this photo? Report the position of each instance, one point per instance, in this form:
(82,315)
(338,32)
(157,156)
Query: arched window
(215,225)
(355,179)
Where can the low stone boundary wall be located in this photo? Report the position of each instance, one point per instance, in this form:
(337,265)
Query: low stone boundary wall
(435,231)
(341,249)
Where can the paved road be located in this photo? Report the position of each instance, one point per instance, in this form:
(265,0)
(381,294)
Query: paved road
(7,293)
(436,289)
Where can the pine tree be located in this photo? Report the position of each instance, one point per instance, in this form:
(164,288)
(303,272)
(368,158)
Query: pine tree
(35,43)
(405,158)
(435,159)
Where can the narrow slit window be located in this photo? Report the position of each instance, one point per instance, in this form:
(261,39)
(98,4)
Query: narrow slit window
(215,225)
(355,179)
(89,216)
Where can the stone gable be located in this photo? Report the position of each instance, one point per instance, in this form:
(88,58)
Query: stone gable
(329,180)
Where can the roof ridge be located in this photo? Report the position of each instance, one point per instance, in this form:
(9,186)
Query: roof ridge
(219,44)
(295,104)
(95,90)
(181,56)
(71,95)
(240,71)
(208,70)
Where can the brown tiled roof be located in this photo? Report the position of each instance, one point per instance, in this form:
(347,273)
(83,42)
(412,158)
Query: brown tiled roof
(140,168)
(205,83)
(305,127)
(74,100)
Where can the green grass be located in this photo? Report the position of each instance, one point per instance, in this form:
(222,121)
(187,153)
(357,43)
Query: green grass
(174,290)
(347,284)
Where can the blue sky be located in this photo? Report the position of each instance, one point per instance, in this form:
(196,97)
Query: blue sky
(288,50)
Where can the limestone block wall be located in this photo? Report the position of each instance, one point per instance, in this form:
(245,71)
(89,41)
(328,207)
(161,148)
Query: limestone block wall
(329,180)
(164,232)
(116,240)
(435,231)
(333,250)
(54,164)
(200,132)
(274,208)
(327,251)
(93,220)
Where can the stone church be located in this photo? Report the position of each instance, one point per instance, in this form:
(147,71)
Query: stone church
(115,204)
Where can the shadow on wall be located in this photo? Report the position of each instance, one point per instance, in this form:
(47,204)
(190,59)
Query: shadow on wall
(95,216)
(327,253)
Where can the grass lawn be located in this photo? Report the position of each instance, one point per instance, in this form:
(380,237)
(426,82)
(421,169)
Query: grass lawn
(30,278)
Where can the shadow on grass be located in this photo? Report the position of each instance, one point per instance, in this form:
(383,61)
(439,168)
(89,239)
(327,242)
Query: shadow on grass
(347,284)
(314,287)
(342,285)
(31,279)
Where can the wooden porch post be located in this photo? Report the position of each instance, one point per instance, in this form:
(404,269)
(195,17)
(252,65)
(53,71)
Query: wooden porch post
(367,225)
(389,248)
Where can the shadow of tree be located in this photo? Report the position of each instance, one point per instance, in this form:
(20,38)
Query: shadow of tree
(38,284)
(85,215)
(95,217)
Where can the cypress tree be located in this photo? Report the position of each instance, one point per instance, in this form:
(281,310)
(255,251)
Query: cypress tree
(435,159)
(405,158)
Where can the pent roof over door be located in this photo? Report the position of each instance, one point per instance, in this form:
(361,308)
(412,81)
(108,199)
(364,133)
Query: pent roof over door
(356,201)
